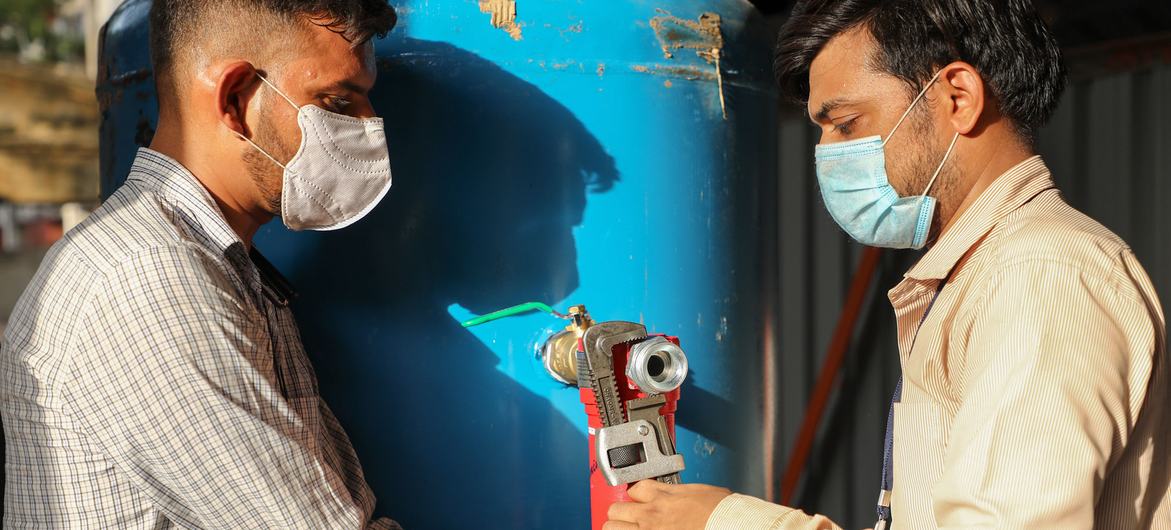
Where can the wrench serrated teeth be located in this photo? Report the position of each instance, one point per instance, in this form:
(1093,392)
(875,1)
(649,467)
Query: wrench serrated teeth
(600,341)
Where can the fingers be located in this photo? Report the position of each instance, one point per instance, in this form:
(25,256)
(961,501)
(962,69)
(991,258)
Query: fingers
(619,525)
(626,512)
(647,490)
(701,488)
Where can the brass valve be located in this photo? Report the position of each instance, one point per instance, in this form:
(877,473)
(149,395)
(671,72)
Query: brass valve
(559,353)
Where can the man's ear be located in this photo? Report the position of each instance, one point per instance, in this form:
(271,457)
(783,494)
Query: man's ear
(966,94)
(235,87)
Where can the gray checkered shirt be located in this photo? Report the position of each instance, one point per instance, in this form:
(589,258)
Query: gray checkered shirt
(152,376)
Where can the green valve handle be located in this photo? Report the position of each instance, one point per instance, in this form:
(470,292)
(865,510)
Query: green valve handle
(512,311)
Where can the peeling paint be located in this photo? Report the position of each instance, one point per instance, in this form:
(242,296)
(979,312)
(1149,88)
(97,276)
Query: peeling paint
(111,89)
(690,73)
(720,82)
(702,35)
(703,447)
(143,131)
(131,77)
(575,28)
(503,16)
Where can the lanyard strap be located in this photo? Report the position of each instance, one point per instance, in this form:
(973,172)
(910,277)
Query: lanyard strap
(884,513)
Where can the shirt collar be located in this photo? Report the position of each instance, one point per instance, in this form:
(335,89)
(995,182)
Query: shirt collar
(194,206)
(1008,192)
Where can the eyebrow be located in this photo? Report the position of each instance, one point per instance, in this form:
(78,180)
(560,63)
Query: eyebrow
(827,107)
(347,85)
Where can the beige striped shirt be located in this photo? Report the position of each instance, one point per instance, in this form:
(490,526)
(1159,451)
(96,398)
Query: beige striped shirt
(1035,394)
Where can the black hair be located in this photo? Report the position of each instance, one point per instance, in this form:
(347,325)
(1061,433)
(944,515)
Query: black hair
(1005,40)
(175,24)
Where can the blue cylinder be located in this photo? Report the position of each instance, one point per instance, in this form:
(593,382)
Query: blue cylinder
(613,154)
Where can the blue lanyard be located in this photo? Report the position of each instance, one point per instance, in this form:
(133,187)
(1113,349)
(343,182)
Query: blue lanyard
(884,514)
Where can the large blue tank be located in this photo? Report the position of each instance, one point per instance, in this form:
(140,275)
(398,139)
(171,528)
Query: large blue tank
(615,154)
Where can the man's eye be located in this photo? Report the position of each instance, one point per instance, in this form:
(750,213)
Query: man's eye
(845,127)
(336,103)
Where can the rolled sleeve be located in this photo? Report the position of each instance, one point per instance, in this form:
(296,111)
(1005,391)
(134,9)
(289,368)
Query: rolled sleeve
(741,512)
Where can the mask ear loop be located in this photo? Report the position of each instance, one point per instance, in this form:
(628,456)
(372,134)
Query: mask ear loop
(278,91)
(258,148)
(909,109)
(950,148)
(939,169)
(246,139)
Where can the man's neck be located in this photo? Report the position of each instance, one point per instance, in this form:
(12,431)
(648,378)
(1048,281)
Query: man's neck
(244,221)
(989,168)
(241,222)
(985,171)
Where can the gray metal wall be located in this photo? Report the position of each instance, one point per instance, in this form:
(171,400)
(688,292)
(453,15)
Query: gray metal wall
(1109,147)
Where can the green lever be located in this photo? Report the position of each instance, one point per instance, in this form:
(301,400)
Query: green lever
(512,311)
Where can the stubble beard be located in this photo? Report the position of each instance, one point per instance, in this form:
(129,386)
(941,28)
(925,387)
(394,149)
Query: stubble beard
(267,176)
(921,165)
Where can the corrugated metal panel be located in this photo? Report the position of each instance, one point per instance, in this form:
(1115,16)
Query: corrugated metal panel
(1109,146)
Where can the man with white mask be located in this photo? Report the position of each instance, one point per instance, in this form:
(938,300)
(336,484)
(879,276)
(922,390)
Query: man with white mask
(152,373)
(1032,344)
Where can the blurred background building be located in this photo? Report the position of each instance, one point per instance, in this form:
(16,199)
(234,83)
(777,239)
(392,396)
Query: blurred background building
(48,129)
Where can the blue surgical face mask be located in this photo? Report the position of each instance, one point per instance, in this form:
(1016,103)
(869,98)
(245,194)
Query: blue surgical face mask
(858,195)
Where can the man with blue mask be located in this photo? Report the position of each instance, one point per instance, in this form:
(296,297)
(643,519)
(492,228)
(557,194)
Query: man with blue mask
(1032,344)
(153,375)
(860,197)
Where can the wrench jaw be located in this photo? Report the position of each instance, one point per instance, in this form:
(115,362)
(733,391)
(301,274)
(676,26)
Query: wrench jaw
(599,341)
(632,451)
(633,444)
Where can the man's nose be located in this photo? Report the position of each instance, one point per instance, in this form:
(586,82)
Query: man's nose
(362,110)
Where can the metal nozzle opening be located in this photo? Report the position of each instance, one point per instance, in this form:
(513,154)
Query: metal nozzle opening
(657,365)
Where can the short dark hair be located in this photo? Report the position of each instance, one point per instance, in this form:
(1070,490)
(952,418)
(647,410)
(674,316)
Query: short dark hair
(1005,40)
(176,24)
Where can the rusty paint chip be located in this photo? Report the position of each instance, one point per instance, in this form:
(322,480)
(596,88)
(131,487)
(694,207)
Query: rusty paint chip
(503,16)
(702,35)
(689,73)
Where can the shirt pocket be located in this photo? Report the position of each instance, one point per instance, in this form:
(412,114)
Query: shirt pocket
(919,445)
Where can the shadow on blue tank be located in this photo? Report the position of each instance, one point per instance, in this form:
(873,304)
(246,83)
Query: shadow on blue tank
(435,422)
(491,175)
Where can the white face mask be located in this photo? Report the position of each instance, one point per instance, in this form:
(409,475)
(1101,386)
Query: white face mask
(340,172)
